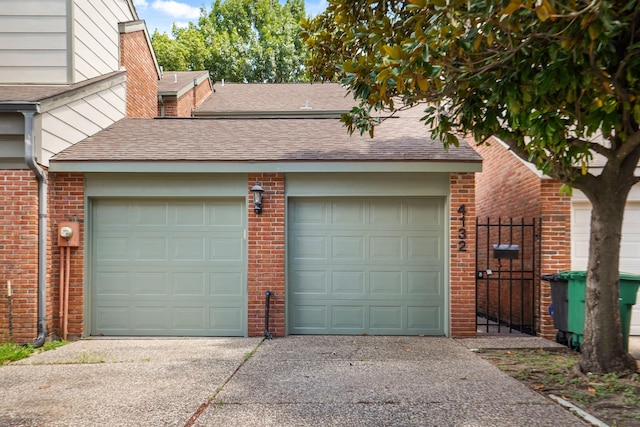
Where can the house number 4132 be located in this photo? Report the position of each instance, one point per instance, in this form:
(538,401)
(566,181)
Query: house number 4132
(462,231)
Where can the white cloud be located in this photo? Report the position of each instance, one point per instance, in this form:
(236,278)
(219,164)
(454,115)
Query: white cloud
(176,9)
(181,24)
(140,4)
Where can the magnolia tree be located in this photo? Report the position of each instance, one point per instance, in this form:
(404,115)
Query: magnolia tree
(239,41)
(557,81)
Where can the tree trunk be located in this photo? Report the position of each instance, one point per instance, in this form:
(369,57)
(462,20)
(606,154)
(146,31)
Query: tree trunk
(602,349)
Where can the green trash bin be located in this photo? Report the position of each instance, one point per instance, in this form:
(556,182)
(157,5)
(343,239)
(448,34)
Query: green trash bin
(577,282)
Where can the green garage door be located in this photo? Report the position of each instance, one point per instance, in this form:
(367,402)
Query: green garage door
(168,268)
(373,266)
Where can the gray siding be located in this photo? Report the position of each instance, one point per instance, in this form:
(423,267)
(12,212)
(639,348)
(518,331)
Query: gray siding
(96,36)
(12,140)
(33,42)
(66,125)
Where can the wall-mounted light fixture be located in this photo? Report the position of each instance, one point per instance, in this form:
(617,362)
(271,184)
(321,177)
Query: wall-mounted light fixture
(257,191)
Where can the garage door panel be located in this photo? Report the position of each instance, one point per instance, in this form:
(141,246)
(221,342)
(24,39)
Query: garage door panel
(151,249)
(385,283)
(184,274)
(347,247)
(427,249)
(347,282)
(308,247)
(424,214)
(188,284)
(347,317)
(187,214)
(425,319)
(114,248)
(310,317)
(426,283)
(346,212)
(226,249)
(188,320)
(225,321)
(150,318)
(113,216)
(386,212)
(150,283)
(387,248)
(188,248)
(227,284)
(384,317)
(309,282)
(382,257)
(303,215)
(149,215)
(114,318)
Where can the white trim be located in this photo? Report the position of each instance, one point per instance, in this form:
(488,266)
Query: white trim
(265,167)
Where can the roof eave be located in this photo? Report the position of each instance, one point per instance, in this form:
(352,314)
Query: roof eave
(266,166)
(325,114)
(15,106)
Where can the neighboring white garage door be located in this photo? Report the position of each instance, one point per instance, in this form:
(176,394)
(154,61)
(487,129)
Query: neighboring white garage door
(629,252)
(168,267)
(373,266)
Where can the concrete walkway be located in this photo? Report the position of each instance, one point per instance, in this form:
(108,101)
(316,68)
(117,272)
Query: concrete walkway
(293,381)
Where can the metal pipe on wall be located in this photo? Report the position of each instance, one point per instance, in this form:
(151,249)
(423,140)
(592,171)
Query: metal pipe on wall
(30,160)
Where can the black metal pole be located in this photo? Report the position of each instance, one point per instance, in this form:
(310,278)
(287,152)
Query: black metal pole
(267,334)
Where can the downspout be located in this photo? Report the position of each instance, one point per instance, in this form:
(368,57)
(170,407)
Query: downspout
(161,102)
(30,160)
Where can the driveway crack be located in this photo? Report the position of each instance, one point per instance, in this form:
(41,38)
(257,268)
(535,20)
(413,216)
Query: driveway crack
(207,403)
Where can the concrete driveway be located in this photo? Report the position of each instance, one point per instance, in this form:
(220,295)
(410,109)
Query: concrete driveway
(293,381)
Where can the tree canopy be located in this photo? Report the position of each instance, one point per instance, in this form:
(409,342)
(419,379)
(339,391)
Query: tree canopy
(557,81)
(239,41)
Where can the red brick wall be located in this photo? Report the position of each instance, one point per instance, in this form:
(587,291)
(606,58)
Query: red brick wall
(556,245)
(186,104)
(505,187)
(202,92)
(67,204)
(142,77)
(508,188)
(170,108)
(462,265)
(19,254)
(266,255)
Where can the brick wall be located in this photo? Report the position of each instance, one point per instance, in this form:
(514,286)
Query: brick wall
(67,204)
(462,265)
(556,245)
(202,92)
(508,188)
(170,108)
(19,255)
(142,78)
(505,187)
(266,255)
(186,104)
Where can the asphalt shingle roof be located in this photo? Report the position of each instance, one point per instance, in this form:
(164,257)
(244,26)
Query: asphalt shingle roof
(262,140)
(290,97)
(174,81)
(36,93)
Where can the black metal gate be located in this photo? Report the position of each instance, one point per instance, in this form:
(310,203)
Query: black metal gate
(508,275)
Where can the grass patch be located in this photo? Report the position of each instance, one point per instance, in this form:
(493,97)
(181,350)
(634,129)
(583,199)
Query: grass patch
(11,352)
(250,354)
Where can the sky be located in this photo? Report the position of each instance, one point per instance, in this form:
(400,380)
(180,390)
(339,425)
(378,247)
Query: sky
(161,14)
